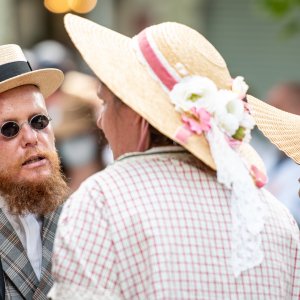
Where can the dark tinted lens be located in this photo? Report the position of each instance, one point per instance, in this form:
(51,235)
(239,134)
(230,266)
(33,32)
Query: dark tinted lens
(39,122)
(10,129)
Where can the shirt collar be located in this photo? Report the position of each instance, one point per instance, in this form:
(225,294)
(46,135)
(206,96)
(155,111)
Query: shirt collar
(152,151)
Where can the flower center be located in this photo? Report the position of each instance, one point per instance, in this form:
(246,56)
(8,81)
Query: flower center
(194,97)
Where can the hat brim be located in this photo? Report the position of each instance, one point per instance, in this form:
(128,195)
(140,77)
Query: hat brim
(112,57)
(280,127)
(47,80)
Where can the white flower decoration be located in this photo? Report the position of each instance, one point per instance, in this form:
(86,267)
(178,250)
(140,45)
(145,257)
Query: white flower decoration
(224,106)
(239,86)
(230,111)
(228,123)
(247,121)
(231,104)
(194,91)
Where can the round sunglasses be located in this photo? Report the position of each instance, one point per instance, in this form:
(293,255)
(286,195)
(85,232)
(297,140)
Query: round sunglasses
(11,129)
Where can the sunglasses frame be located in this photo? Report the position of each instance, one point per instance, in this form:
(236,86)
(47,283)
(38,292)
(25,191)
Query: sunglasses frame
(26,122)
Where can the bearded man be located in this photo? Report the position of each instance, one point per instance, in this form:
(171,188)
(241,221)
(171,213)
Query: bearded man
(31,185)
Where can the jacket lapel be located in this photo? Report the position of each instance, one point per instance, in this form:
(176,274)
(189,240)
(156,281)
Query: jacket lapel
(15,262)
(48,233)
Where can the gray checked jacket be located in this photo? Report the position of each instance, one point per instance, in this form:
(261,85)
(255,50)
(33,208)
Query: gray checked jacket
(20,279)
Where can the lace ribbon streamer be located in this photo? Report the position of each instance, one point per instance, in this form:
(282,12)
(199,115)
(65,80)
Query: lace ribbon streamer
(247,209)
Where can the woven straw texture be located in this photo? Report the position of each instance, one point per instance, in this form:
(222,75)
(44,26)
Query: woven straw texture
(47,80)
(113,59)
(282,128)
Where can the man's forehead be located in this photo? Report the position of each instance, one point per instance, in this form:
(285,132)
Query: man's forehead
(22,98)
(17,91)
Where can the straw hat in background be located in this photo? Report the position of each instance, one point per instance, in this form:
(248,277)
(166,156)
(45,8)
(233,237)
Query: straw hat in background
(16,71)
(280,127)
(82,86)
(114,59)
(78,105)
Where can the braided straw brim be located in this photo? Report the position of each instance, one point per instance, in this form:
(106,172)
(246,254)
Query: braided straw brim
(47,80)
(113,59)
(280,127)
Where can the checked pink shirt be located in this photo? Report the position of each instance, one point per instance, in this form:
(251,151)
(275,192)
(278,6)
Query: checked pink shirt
(155,225)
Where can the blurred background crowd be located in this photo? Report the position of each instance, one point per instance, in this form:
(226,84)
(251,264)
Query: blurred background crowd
(259,39)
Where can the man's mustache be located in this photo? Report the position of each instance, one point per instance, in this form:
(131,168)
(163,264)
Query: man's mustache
(36,154)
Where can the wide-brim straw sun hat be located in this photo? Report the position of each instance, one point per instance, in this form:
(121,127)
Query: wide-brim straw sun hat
(16,71)
(176,80)
(114,60)
(280,127)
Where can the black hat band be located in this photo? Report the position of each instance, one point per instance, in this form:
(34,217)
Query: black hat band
(14,69)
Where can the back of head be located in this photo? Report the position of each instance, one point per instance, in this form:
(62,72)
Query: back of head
(285,96)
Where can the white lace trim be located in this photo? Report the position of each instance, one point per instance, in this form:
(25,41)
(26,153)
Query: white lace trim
(247,209)
(67,291)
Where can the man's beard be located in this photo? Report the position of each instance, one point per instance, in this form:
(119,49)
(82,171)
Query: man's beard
(38,197)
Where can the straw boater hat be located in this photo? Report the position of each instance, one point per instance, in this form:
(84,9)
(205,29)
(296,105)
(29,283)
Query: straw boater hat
(282,128)
(158,74)
(16,71)
(81,86)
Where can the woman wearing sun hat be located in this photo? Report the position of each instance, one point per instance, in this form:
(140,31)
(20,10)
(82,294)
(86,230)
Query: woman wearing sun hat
(186,218)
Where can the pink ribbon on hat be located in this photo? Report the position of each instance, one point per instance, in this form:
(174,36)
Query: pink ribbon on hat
(155,61)
(260,178)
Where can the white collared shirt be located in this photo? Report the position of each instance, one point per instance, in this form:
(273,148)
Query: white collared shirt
(28,228)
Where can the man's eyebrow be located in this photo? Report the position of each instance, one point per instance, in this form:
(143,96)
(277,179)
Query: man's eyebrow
(17,119)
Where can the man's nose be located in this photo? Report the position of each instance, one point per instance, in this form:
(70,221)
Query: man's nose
(28,136)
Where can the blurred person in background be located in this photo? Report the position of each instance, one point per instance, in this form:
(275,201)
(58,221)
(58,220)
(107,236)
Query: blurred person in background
(283,172)
(79,141)
(31,184)
(53,54)
(181,214)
